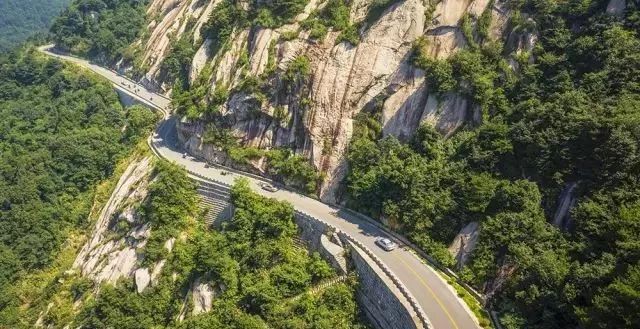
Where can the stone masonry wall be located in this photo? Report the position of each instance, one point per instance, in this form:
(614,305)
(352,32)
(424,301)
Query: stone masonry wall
(383,303)
(315,233)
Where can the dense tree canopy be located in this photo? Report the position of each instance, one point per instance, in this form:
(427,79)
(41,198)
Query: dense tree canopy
(252,264)
(567,112)
(20,19)
(61,133)
(100,29)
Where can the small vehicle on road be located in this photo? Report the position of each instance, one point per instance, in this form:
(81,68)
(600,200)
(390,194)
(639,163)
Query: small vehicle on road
(268,187)
(184,155)
(386,244)
(225,173)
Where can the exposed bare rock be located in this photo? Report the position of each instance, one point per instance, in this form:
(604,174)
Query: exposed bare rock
(464,243)
(566,201)
(200,59)
(162,5)
(493,286)
(499,20)
(174,16)
(204,17)
(449,12)
(359,10)
(446,114)
(350,78)
(226,73)
(442,42)
(128,215)
(259,49)
(119,264)
(521,43)
(345,79)
(157,269)
(142,279)
(477,7)
(203,295)
(402,111)
(40,321)
(169,244)
(102,258)
(159,41)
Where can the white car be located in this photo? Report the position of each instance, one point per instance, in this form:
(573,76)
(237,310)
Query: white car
(386,244)
(268,187)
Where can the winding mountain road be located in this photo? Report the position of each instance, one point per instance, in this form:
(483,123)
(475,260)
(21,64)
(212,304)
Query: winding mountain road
(437,298)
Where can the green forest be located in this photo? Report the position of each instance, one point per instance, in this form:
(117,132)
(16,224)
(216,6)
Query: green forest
(565,113)
(20,19)
(252,263)
(61,133)
(570,115)
(99,29)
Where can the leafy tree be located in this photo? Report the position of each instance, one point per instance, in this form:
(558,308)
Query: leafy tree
(20,19)
(100,29)
(563,113)
(62,133)
(250,263)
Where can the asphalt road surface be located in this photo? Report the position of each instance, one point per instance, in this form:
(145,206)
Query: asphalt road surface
(438,300)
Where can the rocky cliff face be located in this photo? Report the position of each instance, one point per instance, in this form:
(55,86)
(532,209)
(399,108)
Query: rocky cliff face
(315,116)
(112,252)
(106,256)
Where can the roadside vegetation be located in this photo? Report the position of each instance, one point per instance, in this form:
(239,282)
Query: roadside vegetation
(251,263)
(570,115)
(63,132)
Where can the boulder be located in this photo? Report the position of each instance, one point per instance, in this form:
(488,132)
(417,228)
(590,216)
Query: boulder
(464,243)
(202,297)
(142,279)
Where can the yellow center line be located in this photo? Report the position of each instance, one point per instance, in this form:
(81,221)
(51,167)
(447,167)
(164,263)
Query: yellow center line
(431,292)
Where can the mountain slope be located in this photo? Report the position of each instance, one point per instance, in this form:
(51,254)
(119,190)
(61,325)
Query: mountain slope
(513,122)
(63,132)
(21,18)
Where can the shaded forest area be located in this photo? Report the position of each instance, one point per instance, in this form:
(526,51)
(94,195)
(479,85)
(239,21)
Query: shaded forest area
(19,19)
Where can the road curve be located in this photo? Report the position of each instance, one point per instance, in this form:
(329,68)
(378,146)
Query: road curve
(437,299)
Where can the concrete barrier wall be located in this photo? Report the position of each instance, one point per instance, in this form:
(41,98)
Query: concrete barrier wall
(315,233)
(385,300)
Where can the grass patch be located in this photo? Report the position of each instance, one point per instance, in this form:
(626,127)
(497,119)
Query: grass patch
(481,314)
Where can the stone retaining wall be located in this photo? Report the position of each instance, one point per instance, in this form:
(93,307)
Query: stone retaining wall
(316,233)
(381,300)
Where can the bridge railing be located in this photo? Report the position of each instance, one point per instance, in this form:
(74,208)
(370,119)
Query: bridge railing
(387,271)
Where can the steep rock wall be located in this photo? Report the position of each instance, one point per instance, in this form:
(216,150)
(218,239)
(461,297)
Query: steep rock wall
(344,79)
(103,258)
